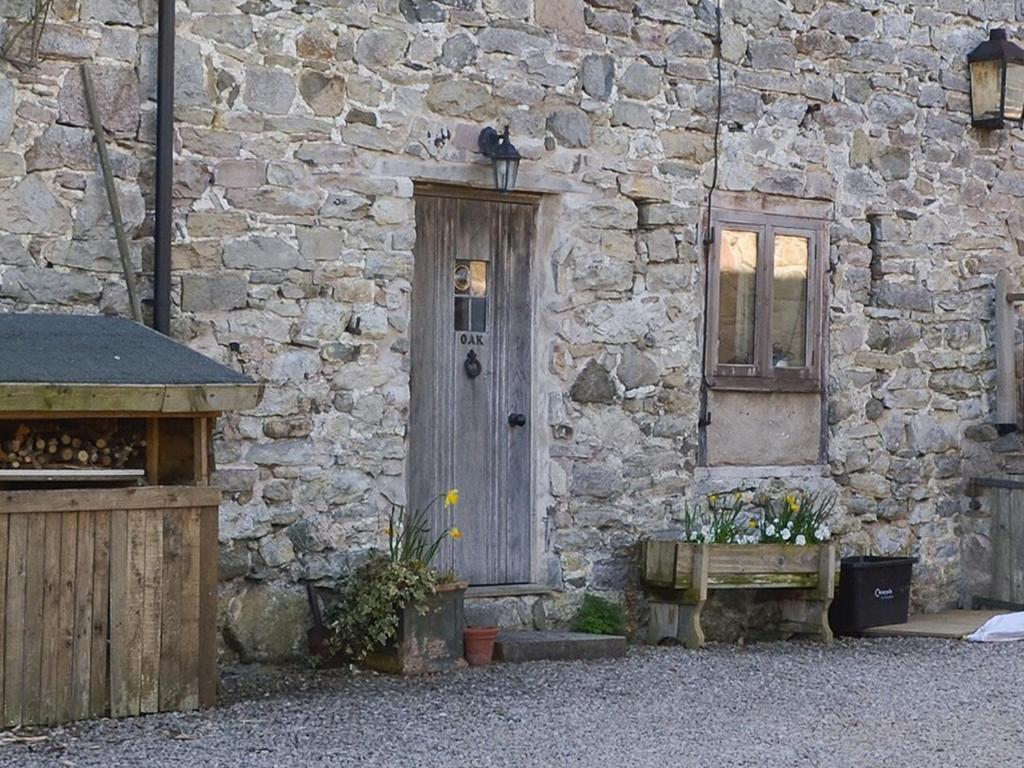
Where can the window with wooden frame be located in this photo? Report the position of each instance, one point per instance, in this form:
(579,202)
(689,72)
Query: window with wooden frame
(765,301)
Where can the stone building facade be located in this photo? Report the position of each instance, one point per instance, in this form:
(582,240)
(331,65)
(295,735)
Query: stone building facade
(302,130)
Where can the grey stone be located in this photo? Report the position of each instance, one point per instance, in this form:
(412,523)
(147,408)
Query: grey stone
(894,164)
(593,385)
(33,285)
(117,11)
(423,11)
(30,207)
(239,173)
(94,255)
(512,41)
(595,481)
(277,550)
(7,96)
(317,41)
(325,94)
(232,29)
(234,561)
(92,216)
(320,244)
(640,81)
(13,253)
(636,369)
(381,48)
(458,97)
(208,293)
(458,51)
(514,647)
(904,296)
(266,623)
(117,98)
(570,126)
(260,252)
(631,115)
(268,90)
(774,53)
(597,75)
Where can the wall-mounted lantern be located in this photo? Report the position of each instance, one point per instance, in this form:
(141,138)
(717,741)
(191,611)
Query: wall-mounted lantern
(504,157)
(997,83)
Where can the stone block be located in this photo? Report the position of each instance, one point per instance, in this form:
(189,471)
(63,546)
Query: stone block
(381,48)
(514,647)
(92,216)
(117,11)
(458,97)
(631,115)
(209,293)
(560,15)
(570,126)
(266,623)
(260,252)
(30,207)
(268,90)
(458,51)
(117,98)
(597,75)
(232,29)
(640,81)
(593,385)
(33,285)
(239,173)
(325,94)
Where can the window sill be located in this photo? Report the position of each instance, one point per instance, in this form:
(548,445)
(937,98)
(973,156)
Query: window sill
(735,384)
(734,473)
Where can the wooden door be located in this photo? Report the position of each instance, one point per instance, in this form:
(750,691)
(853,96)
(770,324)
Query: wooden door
(470,381)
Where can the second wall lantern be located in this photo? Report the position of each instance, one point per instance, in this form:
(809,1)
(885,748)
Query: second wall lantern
(504,157)
(997,83)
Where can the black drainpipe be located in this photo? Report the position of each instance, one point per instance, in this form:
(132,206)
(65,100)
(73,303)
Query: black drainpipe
(164,167)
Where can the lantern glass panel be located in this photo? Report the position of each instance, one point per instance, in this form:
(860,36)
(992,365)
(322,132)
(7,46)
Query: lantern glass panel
(505,173)
(987,90)
(1013,110)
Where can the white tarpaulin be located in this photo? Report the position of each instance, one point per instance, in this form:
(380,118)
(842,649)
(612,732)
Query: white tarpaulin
(1000,629)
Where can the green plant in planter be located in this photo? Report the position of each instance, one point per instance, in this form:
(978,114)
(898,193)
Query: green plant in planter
(371,598)
(598,616)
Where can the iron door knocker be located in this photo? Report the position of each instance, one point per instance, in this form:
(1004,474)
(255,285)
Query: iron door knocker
(472,365)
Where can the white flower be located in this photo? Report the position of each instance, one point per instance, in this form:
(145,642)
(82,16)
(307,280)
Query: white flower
(769,530)
(790,525)
(786,534)
(801,540)
(822,533)
(694,536)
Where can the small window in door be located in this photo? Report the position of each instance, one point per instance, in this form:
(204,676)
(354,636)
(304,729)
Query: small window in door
(470,283)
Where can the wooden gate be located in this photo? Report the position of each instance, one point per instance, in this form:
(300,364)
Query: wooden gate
(108,602)
(1004,501)
(471,376)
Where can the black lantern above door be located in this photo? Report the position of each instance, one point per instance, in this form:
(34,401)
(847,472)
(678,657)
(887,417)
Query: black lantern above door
(504,157)
(997,83)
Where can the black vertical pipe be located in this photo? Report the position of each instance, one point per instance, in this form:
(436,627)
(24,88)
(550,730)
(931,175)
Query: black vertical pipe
(164,166)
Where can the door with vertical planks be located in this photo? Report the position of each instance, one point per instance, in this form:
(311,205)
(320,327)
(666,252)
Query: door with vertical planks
(470,380)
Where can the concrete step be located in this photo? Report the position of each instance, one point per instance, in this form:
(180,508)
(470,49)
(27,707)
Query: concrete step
(557,646)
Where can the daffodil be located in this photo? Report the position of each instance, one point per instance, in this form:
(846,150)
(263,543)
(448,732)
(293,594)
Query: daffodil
(451,498)
(455,533)
(752,523)
(713,499)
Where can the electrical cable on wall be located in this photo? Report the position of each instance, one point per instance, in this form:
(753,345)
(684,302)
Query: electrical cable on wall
(709,236)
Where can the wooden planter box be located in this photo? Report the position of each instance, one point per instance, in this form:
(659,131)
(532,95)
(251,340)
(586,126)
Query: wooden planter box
(427,642)
(108,600)
(678,576)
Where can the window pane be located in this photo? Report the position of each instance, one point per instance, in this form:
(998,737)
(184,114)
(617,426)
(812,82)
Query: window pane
(789,313)
(462,313)
(736,296)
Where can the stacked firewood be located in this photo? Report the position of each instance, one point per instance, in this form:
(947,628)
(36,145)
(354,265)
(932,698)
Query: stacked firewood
(43,447)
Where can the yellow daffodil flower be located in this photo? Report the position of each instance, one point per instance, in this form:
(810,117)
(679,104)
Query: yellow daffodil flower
(752,523)
(455,533)
(713,499)
(451,498)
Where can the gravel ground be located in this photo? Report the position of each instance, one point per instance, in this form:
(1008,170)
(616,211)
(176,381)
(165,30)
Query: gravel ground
(860,704)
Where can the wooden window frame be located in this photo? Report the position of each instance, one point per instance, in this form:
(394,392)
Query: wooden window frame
(762,375)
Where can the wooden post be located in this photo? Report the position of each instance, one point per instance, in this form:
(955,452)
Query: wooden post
(696,596)
(1006,326)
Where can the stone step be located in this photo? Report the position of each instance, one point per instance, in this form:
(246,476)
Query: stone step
(557,646)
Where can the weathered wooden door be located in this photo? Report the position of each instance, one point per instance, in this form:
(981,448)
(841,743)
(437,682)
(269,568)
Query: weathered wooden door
(471,362)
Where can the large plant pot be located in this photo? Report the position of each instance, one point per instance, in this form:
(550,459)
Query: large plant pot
(426,642)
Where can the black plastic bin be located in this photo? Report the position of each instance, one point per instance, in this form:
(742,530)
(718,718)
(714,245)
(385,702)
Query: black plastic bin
(872,591)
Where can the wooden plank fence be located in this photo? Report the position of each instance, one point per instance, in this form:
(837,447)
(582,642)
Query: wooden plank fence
(1004,501)
(107,602)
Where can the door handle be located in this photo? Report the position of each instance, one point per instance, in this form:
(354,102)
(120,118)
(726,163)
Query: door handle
(517,419)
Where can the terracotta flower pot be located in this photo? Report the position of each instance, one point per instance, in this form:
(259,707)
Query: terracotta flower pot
(479,642)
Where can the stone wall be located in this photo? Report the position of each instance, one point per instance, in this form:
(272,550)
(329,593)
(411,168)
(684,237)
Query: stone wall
(300,129)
